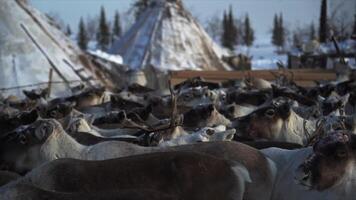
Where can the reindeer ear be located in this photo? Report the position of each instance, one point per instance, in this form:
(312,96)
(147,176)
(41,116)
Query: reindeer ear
(229,134)
(344,99)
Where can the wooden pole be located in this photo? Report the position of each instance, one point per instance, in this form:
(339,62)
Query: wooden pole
(50,82)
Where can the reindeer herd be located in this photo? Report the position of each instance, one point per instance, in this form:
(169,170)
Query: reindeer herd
(250,139)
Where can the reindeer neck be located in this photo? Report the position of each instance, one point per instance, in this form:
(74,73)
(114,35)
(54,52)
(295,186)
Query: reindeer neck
(299,127)
(217,118)
(61,145)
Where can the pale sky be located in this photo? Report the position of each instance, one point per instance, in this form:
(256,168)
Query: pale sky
(295,12)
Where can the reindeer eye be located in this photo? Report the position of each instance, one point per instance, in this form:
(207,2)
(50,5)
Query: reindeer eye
(337,127)
(23,139)
(53,114)
(47,127)
(186,97)
(270,113)
(341,153)
(210,132)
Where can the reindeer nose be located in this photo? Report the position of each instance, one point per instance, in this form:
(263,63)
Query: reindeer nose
(239,124)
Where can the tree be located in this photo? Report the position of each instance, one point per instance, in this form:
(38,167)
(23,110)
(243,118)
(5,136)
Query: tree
(117,31)
(103,36)
(139,7)
(225,34)
(312,32)
(278,32)
(354,29)
(92,24)
(248,36)
(275,30)
(233,37)
(229,34)
(68,31)
(323,26)
(214,27)
(82,38)
(281,32)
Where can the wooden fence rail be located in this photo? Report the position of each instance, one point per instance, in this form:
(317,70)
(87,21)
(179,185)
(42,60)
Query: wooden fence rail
(303,77)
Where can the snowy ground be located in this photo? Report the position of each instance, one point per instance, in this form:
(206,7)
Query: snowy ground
(263,55)
(105,56)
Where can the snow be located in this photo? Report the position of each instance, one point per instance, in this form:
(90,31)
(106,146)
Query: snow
(117,59)
(263,54)
(348,46)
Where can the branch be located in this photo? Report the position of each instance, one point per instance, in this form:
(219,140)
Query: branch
(338,51)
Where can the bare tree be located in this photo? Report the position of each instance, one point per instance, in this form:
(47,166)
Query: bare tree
(214,27)
(92,24)
(341,19)
(57,20)
(341,25)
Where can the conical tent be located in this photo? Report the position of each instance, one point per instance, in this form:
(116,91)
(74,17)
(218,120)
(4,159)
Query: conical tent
(167,37)
(30,46)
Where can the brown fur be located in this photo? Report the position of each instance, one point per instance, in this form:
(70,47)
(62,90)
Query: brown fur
(6,177)
(26,192)
(182,174)
(252,159)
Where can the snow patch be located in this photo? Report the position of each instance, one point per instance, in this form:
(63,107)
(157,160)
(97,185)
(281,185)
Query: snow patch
(117,59)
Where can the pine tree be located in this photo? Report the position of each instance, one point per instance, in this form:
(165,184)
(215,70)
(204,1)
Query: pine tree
(323,26)
(103,36)
(68,31)
(225,33)
(278,32)
(275,31)
(249,36)
(232,33)
(82,38)
(281,32)
(312,32)
(116,32)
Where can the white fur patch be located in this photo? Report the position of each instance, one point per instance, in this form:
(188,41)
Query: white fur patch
(242,177)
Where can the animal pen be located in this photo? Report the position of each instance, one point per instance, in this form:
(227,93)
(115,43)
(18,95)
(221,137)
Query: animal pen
(166,113)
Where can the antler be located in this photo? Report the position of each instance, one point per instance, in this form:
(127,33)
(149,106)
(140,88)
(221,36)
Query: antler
(174,113)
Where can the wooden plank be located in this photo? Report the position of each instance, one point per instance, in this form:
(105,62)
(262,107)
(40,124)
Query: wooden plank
(239,73)
(304,77)
(264,75)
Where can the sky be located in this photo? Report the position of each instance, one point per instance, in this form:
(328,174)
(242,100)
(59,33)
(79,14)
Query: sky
(261,12)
